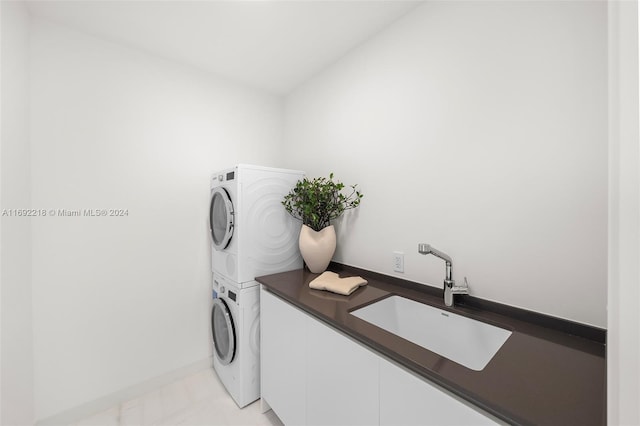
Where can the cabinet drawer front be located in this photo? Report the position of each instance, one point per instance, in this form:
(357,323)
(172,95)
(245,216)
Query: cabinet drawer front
(283,358)
(408,400)
(342,386)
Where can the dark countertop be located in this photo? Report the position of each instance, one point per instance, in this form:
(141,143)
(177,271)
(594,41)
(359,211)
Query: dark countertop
(540,376)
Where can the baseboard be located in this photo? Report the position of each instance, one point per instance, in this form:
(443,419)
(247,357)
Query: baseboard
(89,408)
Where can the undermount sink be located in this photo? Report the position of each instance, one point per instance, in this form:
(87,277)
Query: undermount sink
(463,340)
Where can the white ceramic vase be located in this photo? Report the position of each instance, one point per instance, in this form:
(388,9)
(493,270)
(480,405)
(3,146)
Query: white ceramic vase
(317,247)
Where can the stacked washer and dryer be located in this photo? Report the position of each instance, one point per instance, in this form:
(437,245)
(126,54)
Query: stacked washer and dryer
(251,235)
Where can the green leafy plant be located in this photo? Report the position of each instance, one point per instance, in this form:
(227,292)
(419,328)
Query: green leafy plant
(320,200)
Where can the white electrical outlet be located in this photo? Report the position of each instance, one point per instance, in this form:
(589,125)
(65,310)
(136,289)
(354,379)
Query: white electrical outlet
(398,261)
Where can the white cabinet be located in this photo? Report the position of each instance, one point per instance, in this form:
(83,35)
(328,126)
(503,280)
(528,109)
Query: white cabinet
(406,399)
(315,375)
(283,358)
(312,374)
(342,379)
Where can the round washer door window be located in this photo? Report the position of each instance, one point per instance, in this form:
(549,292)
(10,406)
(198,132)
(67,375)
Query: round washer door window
(223,330)
(221,218)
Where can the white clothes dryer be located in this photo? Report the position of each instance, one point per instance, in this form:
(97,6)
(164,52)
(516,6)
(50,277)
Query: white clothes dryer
(235,326)
(251,232)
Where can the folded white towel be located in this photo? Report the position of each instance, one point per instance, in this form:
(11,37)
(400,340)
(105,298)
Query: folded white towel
(331,281)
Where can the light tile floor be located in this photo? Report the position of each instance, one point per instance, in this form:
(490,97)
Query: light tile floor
(199,399)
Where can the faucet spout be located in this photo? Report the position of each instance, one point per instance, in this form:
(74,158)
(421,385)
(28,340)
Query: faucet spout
(449,284)
(427,249)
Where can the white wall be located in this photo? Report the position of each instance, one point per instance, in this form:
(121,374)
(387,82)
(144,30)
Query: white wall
(16,386)
(480,128)
(623,334)
(119,300)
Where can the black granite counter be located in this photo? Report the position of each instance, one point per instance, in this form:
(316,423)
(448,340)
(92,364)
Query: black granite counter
(542,375)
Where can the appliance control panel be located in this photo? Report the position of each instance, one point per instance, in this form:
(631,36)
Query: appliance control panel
(222,289)
(225,176)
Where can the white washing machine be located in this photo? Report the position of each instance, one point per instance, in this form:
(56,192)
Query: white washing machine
(235,325)
(252,234)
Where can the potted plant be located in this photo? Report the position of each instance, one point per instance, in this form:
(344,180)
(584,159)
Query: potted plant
(316,203)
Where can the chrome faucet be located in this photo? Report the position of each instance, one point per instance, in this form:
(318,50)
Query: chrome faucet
(450,287)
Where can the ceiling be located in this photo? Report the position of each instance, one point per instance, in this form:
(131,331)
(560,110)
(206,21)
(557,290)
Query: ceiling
(270,45)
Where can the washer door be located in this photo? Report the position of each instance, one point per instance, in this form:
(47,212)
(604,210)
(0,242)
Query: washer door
(221,218)
(224,332)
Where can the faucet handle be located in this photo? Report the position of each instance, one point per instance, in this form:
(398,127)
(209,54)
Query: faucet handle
(461,289)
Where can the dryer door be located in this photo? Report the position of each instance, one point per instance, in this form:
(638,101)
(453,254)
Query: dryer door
(223,330)
(221,218)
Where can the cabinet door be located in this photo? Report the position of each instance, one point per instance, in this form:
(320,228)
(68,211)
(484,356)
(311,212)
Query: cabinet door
(342,379)
(406,399)
(283,358)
